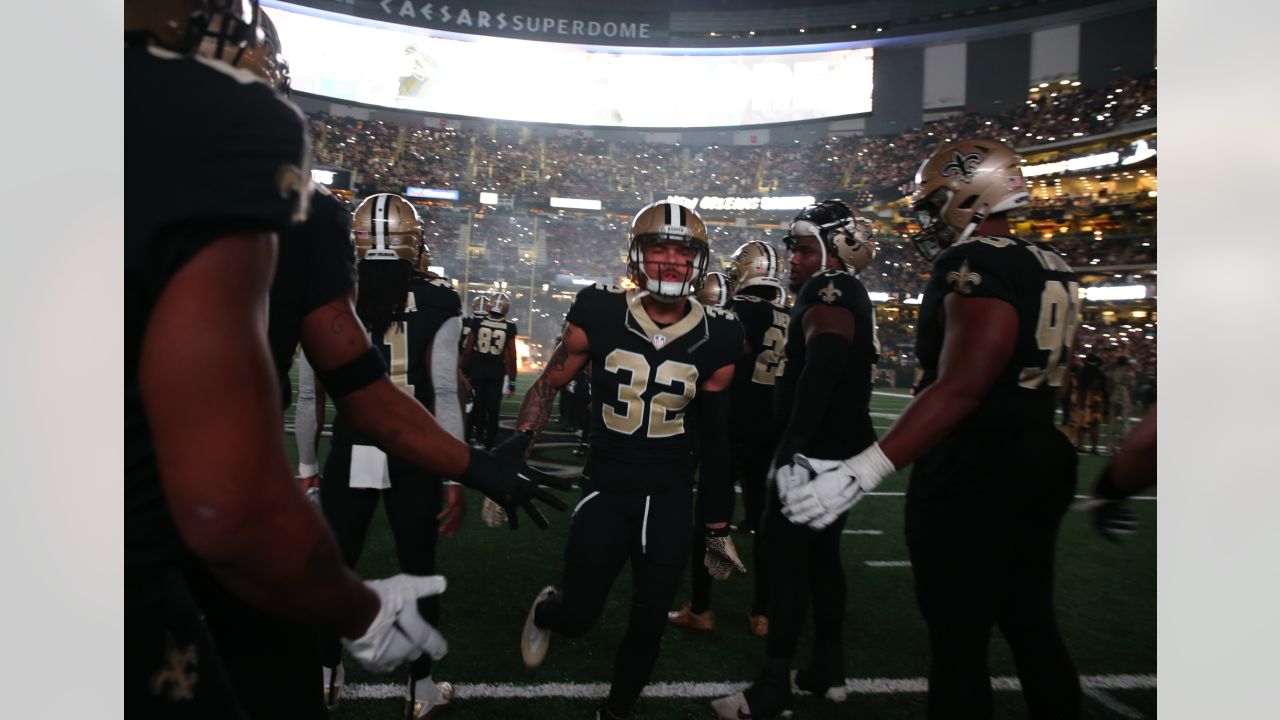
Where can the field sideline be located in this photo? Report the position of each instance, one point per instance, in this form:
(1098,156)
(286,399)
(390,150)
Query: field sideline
(1106,601)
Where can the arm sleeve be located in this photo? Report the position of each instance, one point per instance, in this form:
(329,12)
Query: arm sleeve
(304,421)
(715,481)
(824,356)
(444,376)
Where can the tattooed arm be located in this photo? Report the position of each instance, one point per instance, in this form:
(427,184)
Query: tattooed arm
(566,360)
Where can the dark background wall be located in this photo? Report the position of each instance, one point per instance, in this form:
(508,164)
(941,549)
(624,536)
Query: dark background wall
(1117,46)
(998,74)
(899,85)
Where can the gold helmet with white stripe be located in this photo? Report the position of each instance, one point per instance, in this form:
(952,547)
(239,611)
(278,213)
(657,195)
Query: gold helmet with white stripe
(668,222)
(499,306)
(387,227)
(715,290)
(755,264)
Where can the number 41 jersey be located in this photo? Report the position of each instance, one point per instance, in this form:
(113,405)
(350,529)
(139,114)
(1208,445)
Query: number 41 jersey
(1042,289)
(643,379)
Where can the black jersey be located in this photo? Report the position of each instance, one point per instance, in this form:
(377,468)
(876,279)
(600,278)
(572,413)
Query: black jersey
(404,345)
(316,264)
(208,151)
(643,378)
(489,353)
(757,370)
(1042,289)
(847,415)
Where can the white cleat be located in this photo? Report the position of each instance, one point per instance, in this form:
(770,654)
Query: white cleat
(734,707)
(534,640)
(427,698)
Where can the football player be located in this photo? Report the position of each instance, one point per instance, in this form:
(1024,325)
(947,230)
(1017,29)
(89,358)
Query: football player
(754,281)
(490,352)
(823,397)
(479,311)
(414,320)
(206,483)
(655,354)
(993,476)
(308,422)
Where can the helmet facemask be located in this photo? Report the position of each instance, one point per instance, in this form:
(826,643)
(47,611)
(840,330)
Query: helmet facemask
(935,235)
(668,291)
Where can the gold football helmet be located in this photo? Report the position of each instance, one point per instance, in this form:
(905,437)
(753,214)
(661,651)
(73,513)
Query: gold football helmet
(500,305)
(262,56)
(961,184)
(180,25)
(480,306)
(387,227)
(666,221)
(839,231)
(714,290)
(754,264)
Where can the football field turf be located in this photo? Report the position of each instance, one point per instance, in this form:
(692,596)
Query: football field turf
(1105,597)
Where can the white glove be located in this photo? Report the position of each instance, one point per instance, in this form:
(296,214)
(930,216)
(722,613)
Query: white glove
(789,477)
(399,633)
(836,486)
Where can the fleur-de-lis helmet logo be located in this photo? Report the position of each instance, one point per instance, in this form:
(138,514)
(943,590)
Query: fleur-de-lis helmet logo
(964,165)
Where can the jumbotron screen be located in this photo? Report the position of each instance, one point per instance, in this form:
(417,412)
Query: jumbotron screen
(396,66)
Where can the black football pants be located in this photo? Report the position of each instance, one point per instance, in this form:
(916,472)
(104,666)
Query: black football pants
(412,503)
(804,568)
(984,559)
(608,530)
(750,467)
(485,413)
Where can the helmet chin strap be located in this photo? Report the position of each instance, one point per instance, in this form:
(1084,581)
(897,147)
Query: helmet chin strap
(978,217)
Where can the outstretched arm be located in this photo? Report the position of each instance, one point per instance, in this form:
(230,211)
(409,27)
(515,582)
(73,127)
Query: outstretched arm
(980,337)
(220,455)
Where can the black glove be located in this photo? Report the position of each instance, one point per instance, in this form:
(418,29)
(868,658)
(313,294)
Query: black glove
(1108,511)
(503,476)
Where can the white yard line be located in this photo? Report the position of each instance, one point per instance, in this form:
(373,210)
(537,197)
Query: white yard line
(1108,701)
(888,563)
(685,690)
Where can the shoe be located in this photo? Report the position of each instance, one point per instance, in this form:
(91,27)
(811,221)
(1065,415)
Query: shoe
(534,640)
(427,699)
(735,707)
(334,678)
(686,618)
(835,693)
(313,494)
(759,626)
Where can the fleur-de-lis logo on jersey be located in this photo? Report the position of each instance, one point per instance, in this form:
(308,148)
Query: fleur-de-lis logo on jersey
(177,677)
(830,293)
(964,165)
(963,280)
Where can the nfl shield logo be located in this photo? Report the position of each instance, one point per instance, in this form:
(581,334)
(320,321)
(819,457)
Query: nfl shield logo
(659,341)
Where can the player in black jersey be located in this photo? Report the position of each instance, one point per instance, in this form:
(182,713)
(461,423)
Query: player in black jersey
(206,484)
(655,355)
(490,353)
(823,400)
(479,310)
(414,320)
(754,283)
(993,476)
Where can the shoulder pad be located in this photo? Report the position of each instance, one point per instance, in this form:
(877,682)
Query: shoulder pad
(723,313)
(609,288)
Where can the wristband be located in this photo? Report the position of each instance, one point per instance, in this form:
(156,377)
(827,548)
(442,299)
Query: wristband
(870,467)
(364,370)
